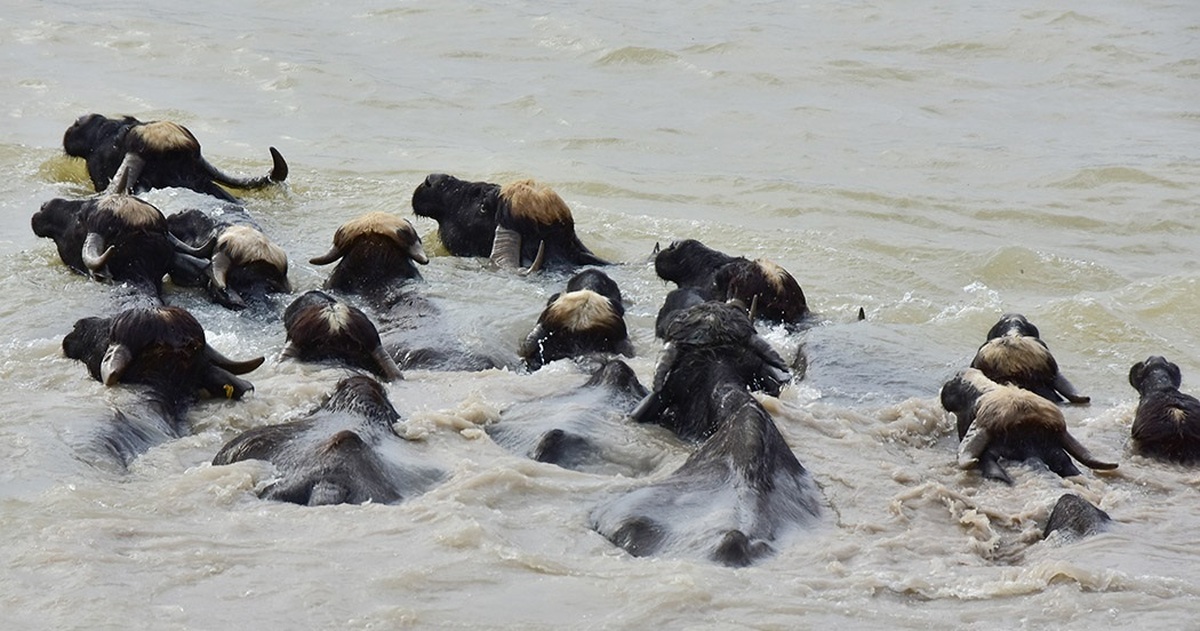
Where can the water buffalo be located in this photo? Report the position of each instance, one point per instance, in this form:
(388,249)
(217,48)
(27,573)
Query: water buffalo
(376,255)
(345,451)
(1014,353)
(1001,421)
(577,429)
(708,345)
(322,328)
(163,350)
(742,490)
(1167,422)
(711,275)
(588,317)
(157,154)
(246,267)
(521,224)
(117,237)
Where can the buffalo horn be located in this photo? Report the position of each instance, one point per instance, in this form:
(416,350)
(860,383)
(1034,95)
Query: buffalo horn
(387,365)
(973,444)
(127,175)
(221,263)
(332,255)
(95,255)
(666,362)
(202,252)
(506,248)
(1081,453)
(235,367)
(538,260)
(417,253)
(116,359)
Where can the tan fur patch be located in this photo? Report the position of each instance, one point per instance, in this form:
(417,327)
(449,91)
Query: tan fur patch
(337,315)
(133,211)
(379,223)
(1015,354)
(166,136)
(536,202)
(1177,415)
(1003,407)
(244,244)
(776,275)
(581,310)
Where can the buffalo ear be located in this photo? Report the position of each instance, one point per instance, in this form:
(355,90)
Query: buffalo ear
(1135,375)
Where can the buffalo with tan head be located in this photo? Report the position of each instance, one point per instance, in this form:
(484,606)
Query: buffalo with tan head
(157,154)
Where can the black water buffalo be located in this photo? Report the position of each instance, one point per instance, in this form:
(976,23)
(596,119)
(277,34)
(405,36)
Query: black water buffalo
(708,345)
(117,237)
(521,224)
(1001,421)
(771,291)
(578,429)
(345,451)
(246,266)
(1166,425)
(1014,353)
(157,154)
(376,255)
(164,350)
(741,491)
(321,328)
(589,317)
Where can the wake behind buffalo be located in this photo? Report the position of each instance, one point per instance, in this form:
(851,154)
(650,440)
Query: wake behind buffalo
(740,495)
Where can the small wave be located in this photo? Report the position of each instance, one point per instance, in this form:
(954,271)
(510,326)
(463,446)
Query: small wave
(637,55)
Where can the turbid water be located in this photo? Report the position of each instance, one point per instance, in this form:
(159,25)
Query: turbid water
(936,164)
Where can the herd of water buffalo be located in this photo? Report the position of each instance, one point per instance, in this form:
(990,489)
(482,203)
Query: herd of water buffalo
(372,317)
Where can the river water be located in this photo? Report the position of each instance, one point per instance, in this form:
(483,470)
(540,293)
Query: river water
(935,163)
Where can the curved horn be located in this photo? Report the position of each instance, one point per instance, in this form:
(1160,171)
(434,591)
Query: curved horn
(387,365)
(116,359)
(127,175)
(1081,453)
(221,264)
(531,347)
(95,255)
(537,260)
(235,367)
(666,362)
(417,253)
(332,255)
(973,444)
(648,410)
(279,167)
(202,252)
(1068,390)
(506,248)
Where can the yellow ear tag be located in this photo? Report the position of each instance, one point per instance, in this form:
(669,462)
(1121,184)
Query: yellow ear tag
(228,391)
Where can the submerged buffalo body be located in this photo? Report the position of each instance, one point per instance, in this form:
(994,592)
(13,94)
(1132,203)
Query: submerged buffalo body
(345,451)
(578,429)
(731,501)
